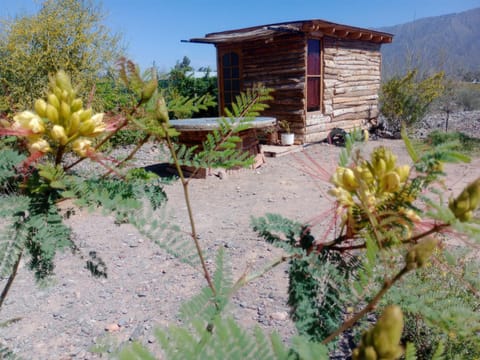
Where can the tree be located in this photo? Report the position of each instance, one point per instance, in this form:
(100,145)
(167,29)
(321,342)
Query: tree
(406,100)
(64,34)
(189,96)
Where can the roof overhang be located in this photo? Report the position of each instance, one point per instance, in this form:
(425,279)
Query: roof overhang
(309,27)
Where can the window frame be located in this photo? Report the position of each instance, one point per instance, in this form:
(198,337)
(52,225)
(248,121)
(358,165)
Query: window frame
(221,77)
(318,76)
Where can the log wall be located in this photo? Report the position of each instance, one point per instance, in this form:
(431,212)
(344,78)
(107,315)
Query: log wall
(351,80)
(351,74)
(278,63)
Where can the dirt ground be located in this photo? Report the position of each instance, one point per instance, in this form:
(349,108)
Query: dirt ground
(145,285)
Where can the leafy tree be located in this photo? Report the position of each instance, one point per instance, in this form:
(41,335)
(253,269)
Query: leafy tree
(64,34)
(188,96)
(405,100)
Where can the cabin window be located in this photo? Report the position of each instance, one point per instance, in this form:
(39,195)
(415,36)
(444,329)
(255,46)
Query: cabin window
(230,77)
(314,75)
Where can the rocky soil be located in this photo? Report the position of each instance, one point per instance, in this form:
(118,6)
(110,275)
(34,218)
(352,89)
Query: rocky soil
(145,285)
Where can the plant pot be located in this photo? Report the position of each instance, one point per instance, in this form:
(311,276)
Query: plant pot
(287,138)
(272,138)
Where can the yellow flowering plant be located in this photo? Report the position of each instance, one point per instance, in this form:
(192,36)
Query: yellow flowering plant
(59,123)
(36,175)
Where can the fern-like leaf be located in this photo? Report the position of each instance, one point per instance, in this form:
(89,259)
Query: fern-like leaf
(410,352)
(220,148)
(205,305)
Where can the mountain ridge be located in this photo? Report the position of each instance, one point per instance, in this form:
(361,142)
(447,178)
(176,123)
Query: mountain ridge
(447,42)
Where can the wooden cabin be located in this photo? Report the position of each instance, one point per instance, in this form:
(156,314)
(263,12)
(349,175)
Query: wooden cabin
(324,75)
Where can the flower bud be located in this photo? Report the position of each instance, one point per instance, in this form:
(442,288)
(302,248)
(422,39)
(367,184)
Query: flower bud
(391,182)
(85,114)
(52,99)
(76,104)
(365,135)
(382,341)
(369,353)
(65,111)
(99,125)
(40,145)
(418,255)
(58,134)
(403,172)
(86,128)
(62,80)
(467,202)
(349,181)
(161,110)
(148,89)
(82,147)
(41,107)
(388,331)
(74,123)
(36,125)
(52,114)
(379,166)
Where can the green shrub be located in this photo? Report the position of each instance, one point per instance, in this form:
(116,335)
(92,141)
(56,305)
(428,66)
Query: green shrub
(468,97)
(458,141)
(405,100)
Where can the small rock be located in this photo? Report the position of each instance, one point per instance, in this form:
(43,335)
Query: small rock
(112,327)
(279,316)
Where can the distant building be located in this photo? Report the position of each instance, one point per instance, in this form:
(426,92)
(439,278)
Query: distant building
(324,75)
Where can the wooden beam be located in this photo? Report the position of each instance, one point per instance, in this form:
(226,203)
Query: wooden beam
(342,33)
(367,37)
(355,35)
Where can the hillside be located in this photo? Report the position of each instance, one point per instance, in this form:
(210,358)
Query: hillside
(449,42)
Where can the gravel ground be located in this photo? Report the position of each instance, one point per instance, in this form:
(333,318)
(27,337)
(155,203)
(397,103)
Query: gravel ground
(145,285)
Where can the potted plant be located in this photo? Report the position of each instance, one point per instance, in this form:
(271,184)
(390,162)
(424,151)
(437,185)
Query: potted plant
(269,135)
(287,137)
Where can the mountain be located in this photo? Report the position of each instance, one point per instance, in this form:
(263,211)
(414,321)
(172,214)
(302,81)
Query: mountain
(449,42)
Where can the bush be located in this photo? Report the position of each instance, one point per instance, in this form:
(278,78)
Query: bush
(468,97)
(405,100)
(457,141)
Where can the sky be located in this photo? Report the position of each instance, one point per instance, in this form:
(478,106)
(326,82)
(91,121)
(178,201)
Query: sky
(153,30)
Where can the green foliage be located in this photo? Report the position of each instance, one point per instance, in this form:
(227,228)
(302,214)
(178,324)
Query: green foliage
(441,306)
(209,334)
(124,137)
(376,243)
(6,353)
(457,141)
(66,34)
(188,96)
(8,161)
(207,305)
(119,197)
(319,282)
(220,149)
(405,100)
(467,96)
(35,228)
(111,94)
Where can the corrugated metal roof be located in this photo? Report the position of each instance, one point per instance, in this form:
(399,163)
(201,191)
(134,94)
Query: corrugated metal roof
(317,26)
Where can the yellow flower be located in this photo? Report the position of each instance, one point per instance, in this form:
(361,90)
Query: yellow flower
(82,147)
(97,120)
(39,145)
(28,121)
(58,133)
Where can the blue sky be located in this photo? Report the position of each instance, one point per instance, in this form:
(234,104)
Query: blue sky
(153,29)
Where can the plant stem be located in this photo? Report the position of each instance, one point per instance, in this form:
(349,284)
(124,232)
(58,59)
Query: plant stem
(59,155)
(9,283)
(369,307)
(186,194)
(244,279)
(131,155)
